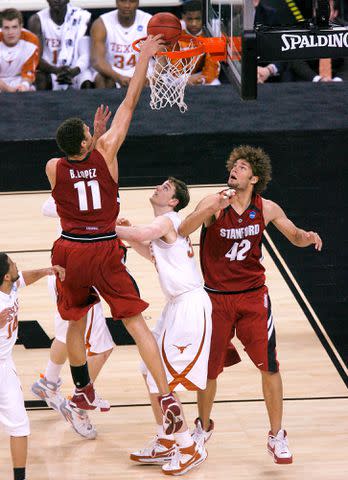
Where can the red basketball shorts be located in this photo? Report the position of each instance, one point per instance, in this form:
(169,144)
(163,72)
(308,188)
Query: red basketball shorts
(249,316)
(96,264)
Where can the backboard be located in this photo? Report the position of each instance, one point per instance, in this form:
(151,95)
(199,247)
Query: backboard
(234,19)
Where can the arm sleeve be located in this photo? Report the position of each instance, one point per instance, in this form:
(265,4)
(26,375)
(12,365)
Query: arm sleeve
(49,208)
(30,65)
(210,69)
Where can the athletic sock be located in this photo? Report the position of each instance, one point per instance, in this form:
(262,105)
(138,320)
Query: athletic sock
(19,473)
(53,371)
(161,434)
(183,439)
(80,375)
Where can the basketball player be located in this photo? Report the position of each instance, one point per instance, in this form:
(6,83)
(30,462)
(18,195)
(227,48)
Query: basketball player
(184,328)
(84,187)
(65,59)
(19,53)
(112,35)
(235,281)
(13,416)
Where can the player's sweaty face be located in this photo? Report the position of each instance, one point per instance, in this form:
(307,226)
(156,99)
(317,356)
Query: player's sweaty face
(240,174)
(163,193)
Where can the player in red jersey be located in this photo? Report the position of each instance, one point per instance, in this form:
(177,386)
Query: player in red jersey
(84,187)
(234,279)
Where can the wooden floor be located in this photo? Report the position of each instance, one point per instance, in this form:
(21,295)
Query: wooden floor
(316,420)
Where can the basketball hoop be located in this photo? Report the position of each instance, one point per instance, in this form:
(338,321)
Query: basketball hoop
(171,69)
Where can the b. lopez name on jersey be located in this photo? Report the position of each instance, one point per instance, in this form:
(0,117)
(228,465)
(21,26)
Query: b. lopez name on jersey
(238,233)
(90,173)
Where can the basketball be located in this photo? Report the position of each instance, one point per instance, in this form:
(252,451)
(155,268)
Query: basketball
(167,24)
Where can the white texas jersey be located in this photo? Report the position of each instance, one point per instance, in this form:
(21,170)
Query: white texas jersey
(20,60)
(75,22)
(119,51)
(9,333)
(177,269)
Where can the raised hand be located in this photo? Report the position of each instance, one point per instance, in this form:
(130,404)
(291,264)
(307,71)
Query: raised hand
(101,118)
(152,45)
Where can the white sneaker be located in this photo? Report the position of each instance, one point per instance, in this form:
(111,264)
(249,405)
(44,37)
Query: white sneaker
(278,447)
(158,451)
(48,391)
(79,420)
(199,435)
(185,459)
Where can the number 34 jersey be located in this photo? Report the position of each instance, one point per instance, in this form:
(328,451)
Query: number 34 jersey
(119,39)
(85,194)
(231,250)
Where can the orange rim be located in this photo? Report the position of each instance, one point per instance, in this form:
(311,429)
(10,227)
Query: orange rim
(175,55)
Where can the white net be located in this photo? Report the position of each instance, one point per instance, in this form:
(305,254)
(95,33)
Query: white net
(168,79)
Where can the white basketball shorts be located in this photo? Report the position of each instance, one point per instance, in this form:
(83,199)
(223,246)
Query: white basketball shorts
(183,334)
(13,416)
(98,338)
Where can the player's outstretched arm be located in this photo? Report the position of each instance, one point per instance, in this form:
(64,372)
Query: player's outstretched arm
(32,276)
(143,248)
(298,237)
(159,228)
(109,143)
(205,212)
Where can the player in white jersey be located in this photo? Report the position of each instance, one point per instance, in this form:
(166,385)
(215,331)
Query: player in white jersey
(99,345)
(65,59)
(112,35)
(13,417)
(184,329)
(19,53)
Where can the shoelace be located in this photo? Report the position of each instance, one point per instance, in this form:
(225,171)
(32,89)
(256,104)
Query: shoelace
(283,444)
(149,448)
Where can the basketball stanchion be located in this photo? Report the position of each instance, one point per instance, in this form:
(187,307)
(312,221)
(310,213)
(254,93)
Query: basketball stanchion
(171,68)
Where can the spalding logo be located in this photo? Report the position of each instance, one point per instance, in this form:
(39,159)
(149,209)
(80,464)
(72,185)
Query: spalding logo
(252,215)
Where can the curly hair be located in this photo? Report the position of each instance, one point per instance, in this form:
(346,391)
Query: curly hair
(259,161)
(69,136)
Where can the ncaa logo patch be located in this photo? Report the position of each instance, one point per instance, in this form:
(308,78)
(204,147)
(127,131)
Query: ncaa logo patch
(252,215)
(140,28)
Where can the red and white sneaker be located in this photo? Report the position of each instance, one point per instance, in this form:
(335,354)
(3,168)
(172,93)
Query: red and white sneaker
(86,398)
(158,452)
(199,435)
(185,459)
(278,447)
(172,418)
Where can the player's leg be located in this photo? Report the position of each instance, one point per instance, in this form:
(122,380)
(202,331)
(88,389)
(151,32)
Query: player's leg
(162,446)
(256,330)
(222,332)
(13,417)
(19,451)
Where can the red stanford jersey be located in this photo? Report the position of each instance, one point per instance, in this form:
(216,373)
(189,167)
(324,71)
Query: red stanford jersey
(85,195)
(230,250)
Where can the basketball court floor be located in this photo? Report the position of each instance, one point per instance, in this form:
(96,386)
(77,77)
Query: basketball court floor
(316,400)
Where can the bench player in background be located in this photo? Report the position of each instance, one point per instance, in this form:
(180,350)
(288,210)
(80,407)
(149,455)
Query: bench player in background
(13,416)
(19,53)
(112,36)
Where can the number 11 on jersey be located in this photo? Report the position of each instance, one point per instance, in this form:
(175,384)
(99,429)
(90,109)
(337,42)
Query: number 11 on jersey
(81,188)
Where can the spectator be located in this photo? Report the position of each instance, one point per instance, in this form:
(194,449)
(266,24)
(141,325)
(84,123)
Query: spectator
(206,70)
(65,59)
(267,16)
(19,53)
(112,36)
(320,70)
